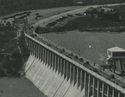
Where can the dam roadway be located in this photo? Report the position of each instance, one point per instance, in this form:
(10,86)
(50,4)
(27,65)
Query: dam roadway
(57,75)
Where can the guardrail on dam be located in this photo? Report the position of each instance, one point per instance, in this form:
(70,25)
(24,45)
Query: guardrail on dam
(56,75)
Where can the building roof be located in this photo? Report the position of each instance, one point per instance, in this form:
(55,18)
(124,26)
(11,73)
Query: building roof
(116,49)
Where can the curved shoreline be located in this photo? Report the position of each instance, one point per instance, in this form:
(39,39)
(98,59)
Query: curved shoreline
(105,29)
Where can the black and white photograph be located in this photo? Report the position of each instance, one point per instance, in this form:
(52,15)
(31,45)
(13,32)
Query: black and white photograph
(62,48)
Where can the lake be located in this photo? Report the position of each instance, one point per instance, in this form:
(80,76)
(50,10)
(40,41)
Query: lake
(91,45)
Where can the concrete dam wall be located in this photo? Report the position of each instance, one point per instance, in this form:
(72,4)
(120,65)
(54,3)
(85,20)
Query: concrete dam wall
(59,76)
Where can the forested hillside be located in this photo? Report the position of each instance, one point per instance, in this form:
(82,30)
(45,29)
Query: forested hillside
(10,6)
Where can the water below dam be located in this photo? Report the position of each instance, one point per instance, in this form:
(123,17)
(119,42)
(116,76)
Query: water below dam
(91,45)
(18,87)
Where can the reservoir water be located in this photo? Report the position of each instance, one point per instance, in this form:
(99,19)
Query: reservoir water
(91,45)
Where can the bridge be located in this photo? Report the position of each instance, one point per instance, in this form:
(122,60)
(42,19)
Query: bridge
(57,75)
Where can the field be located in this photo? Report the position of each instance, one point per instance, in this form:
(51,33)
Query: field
(49,12)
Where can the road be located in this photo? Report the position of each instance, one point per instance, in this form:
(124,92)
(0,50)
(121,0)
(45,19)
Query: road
(45,21)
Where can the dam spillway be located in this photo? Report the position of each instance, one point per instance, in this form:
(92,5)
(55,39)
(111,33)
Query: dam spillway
(56,75)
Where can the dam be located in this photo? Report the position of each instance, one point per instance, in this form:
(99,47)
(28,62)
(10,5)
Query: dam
(57,75)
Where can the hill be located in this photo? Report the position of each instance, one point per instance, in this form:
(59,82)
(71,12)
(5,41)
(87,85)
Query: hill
(10,6)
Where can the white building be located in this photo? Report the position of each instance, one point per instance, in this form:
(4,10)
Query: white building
(116,58)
